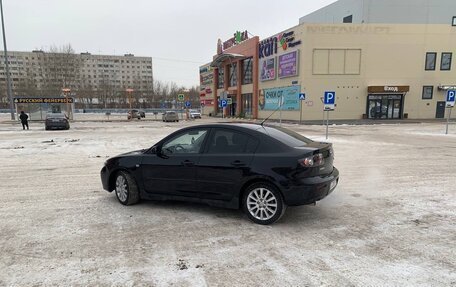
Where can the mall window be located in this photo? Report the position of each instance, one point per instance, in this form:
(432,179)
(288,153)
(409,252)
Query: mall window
(336,62)
(445,62)
(348,19)
(221,78)
(427,92)
(247,76)
(247,105)
(233,74)
(430,61)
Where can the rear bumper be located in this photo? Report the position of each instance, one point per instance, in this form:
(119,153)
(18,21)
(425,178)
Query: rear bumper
(309,190)
(57,125)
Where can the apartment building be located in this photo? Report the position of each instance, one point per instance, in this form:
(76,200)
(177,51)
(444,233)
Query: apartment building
(40,73)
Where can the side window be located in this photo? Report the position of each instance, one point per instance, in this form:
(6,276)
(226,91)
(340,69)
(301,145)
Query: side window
(189,142)
(226,141)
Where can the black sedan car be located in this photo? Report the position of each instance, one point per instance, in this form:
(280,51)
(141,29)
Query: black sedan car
(261,169)
(56,121)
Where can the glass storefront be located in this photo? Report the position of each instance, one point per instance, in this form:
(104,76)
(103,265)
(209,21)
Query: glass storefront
(385,106)
(247,105)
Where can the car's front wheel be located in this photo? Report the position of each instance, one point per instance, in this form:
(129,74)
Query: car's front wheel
(126,189)
(263,203)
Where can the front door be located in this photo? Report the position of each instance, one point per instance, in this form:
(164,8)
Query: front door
(384,106)
(440,110)
(394,108)
(172,170)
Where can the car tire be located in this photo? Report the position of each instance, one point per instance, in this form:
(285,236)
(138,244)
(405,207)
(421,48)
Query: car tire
(263,203)
(126,188)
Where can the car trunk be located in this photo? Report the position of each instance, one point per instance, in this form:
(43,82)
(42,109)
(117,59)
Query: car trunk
(313,150)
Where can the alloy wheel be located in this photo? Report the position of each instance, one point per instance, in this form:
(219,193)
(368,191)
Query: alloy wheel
(262,203)
(121,188)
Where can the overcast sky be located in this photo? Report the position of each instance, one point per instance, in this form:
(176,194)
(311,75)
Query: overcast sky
(180,35)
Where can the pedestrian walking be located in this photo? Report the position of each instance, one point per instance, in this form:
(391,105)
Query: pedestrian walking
(24,120)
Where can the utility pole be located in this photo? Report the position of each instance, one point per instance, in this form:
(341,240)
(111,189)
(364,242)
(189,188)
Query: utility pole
(8,77)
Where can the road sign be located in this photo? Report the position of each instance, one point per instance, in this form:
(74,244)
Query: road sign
(223,103)
(451,98)
(223,95)
(180,97)
(188,104)
(302,96)
(329,100)
(229,101)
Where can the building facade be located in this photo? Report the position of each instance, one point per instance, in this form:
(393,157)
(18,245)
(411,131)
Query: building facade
(378,71)
(232,76)
(384,12)
(91,78)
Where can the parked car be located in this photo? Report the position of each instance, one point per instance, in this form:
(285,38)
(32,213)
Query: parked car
(194,114)
(56,121)
(134,114)
(170,116)
(261,169)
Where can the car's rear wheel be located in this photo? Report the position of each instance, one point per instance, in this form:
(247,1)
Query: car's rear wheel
(126,189)
(263,203)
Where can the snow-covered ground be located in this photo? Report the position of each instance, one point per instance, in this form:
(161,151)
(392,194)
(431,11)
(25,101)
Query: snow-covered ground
(390,222)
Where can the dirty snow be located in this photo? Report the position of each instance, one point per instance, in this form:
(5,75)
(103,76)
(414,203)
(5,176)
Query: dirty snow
(390,222)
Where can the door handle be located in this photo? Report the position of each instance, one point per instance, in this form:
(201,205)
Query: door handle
(187,163)
(237,163)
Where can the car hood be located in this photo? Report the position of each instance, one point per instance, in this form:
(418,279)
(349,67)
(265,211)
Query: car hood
(130,153)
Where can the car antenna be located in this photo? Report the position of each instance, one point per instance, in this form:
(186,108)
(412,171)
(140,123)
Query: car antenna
(280,105)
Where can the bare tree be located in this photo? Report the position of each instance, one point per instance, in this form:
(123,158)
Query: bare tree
(61,69)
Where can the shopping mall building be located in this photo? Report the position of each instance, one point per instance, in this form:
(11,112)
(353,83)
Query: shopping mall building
(396,70)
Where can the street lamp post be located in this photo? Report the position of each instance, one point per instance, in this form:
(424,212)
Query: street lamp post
(8,77)
(129,91)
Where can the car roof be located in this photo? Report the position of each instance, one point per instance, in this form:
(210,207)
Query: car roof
(238,125)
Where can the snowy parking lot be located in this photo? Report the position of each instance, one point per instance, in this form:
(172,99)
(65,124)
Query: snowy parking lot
(390,222)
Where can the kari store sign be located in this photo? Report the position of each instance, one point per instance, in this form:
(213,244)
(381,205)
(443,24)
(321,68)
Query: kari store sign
(288,64)
(270,98)
(285,40)
(267,69)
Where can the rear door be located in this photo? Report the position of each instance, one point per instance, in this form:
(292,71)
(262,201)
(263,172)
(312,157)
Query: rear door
(224,163)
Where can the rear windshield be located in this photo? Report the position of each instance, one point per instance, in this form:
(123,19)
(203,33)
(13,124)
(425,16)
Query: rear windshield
(55,115)
(286,136)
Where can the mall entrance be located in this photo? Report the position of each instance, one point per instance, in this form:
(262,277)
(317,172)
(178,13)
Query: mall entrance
(385,106)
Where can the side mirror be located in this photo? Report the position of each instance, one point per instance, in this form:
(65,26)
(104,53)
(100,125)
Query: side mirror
(154,150)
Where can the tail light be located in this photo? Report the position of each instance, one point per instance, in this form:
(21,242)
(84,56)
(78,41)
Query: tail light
(312,161)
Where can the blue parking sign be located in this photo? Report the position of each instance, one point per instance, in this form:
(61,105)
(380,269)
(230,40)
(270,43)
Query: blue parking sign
(451,96)
(330,98)
(223,103)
